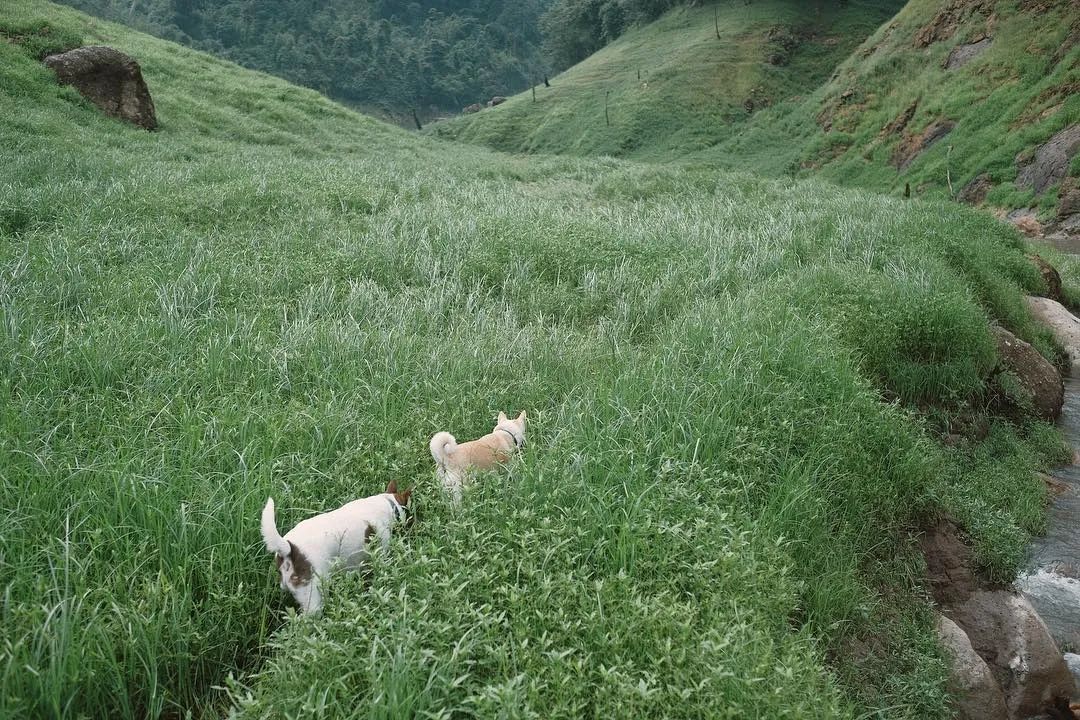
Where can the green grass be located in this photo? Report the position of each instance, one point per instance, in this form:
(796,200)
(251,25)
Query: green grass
(727,378)
(673,88)
(689,101)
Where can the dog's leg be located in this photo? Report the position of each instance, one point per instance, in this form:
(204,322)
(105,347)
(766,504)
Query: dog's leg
(314,597)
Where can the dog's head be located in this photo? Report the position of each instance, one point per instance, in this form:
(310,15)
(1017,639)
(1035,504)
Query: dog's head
(403,500)
(515,427)
(295,568)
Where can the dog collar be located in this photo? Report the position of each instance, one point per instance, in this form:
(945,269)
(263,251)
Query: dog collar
(400,511)
(517,443)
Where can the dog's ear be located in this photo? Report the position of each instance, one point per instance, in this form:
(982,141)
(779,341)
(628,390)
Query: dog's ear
(502,416)
(392,487)
(521,418)
(403,497)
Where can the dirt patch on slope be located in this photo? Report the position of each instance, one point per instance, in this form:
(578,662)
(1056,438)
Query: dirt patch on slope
(899,123)
(912,145)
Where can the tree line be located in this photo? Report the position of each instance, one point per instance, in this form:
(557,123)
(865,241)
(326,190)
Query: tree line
(393,55)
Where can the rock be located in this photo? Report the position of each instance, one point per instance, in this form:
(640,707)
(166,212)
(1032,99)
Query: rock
(497,100)
(109,79)
(976,190)
(1037,377)
(911,146)
(1026,221)
(1073,661)
(961,55)
(949,564)
(949,19)
(1050,164)
(1068,199)
(1063,324)
(975,692)
(1050,277)
(1013,640)
(475,107)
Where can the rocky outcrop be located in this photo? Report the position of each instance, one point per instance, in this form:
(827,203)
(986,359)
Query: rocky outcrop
(108,78)
(961,55)
(1010,636)
(1042,390)
(975,692)
(1063,324)
(1050,163)
(497,100)
(474,108)
(949,19)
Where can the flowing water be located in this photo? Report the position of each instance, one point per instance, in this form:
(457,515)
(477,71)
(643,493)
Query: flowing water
(1051,579)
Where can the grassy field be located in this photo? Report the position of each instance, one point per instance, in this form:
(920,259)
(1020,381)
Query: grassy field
(674,88)
(828,106)
(734,387)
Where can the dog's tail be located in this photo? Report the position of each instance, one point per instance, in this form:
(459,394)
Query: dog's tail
(442,446)
(274,542)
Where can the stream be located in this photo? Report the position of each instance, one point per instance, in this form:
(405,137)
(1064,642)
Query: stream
(1050,578)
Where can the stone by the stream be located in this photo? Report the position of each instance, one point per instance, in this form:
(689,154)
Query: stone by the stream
(1064,325)
(1073,661)
(108,78)
(1009,635)
(975,692)
(1036,375)
(1049,275)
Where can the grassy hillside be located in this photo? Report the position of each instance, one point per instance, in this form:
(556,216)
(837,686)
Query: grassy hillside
(734,388)
(673,87)
(1005,102)
(846,121)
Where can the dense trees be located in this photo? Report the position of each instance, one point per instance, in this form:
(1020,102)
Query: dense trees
(574,29)
(435,55)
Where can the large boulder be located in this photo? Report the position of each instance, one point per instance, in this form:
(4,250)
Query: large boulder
(975,692)
(1009,635)
(1038,379)
(108,78)
(1063,324)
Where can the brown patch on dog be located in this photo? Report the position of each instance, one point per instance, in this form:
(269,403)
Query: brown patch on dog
(302,571)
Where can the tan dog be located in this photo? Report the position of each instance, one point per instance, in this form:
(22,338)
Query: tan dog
(456,462)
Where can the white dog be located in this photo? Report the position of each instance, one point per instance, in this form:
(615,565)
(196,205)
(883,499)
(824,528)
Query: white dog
(455,462)
(306,553)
